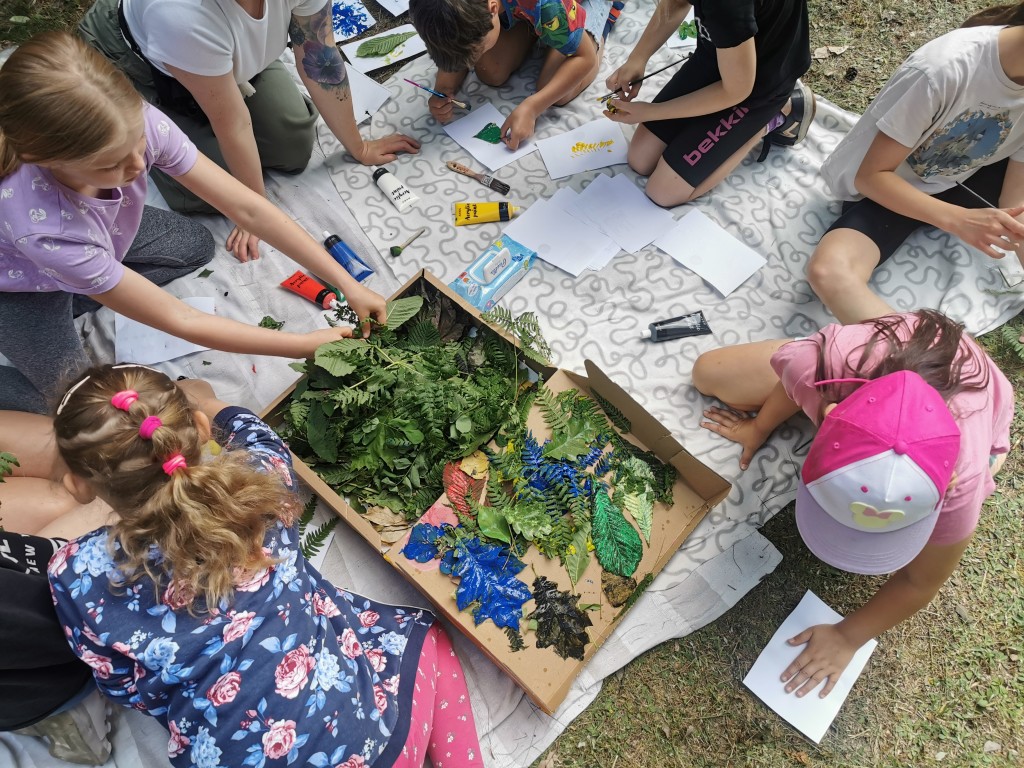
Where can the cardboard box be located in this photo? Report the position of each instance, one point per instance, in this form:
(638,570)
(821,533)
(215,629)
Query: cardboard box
(542,674)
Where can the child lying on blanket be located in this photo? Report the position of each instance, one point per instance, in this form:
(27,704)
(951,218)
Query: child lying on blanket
(494,37)
(739,85)
(213,68)
(197,606)
(76,143)
(913,422)
(953,112)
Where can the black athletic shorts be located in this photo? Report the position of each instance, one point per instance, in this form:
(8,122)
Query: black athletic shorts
(698,146)
(888,230)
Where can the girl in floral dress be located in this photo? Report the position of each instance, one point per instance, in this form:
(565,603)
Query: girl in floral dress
(197,606)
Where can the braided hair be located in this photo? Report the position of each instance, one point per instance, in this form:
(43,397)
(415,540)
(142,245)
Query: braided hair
(191,526)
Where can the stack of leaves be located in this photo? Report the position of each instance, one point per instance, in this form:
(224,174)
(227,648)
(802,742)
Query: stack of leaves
(379,418)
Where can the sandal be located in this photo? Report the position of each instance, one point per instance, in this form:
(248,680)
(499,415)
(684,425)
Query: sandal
(794,128)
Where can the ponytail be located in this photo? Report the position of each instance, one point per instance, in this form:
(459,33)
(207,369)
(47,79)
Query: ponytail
(1010,15)
(130,432)
(9,161)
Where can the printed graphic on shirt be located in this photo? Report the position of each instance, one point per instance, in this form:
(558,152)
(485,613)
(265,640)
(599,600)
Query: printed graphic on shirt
(965,142)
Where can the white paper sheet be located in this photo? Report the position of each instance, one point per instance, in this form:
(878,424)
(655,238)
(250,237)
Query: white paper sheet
(493,156)
(367,95)
(699,244)
(411,47)
(138,343)
(675,41)
(350,18)
(620,209)
(593,145)
(558,238)
(810,714)
(395,7)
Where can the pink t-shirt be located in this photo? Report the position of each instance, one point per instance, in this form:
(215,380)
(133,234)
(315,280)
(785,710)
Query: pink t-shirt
(983,416)
(55,239)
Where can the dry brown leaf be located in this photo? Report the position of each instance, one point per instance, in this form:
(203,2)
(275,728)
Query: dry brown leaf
(837,50)
(800,757)
(391,535)
(384,517)
(820,54)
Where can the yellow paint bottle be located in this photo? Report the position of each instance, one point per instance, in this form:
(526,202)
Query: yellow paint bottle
(480,213)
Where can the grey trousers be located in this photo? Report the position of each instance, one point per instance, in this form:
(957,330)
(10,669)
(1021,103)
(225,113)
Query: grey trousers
(283,120)
(37,330)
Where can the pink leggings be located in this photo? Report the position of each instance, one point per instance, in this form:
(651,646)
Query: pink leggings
(442,724)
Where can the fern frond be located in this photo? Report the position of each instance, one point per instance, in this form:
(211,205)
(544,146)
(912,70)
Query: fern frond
(314,541)
(615,416)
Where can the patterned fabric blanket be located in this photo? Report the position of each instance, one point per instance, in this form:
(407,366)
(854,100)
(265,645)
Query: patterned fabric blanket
(779,208)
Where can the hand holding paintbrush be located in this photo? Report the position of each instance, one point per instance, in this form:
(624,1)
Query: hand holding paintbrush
(456,102)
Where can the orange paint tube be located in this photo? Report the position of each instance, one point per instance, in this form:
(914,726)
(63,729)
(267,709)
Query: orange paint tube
(309,288)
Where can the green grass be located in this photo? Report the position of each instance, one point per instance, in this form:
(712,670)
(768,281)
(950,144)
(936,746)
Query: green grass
(942,683)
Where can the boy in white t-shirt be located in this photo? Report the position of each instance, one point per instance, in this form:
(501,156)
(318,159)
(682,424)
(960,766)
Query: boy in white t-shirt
(212,66)
(951,114)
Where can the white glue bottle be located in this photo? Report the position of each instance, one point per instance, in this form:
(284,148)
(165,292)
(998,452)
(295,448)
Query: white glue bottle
(400,195)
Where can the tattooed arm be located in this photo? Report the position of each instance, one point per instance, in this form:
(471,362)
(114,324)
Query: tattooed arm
(321,68)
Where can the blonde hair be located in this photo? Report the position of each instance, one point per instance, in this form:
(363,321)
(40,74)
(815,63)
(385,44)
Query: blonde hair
(61,100)
(207,520)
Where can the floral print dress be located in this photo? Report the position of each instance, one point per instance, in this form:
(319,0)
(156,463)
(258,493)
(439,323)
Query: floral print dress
(293,671)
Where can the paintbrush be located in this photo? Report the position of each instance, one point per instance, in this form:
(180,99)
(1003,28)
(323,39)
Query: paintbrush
(488,181)
(611,95)
(456,102)
(976,196)
(396,250)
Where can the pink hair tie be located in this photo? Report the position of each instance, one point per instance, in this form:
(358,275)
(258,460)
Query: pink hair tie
(123,400)
(177,461)
(149,425)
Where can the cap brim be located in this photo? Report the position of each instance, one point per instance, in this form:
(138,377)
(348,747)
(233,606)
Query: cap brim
(857,551)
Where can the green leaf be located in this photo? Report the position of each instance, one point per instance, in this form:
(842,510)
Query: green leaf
(529,519)
(316,433)
(464,423)
(271,323)
(616,542)
(493,524)
(641,507)
(615,416)
(8,462)
(577,555)
(382,46)
(571,443)
(490,133)
(205,273)
(336,356)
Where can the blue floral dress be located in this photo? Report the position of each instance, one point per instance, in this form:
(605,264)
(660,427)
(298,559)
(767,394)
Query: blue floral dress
(294,671)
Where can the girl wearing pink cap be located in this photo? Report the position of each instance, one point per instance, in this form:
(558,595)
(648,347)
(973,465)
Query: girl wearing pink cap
(913,421)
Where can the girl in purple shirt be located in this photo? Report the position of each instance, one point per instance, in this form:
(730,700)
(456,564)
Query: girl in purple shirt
(76,143)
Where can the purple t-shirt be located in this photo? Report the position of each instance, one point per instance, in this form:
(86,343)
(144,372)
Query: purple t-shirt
(983,416)
(55,239)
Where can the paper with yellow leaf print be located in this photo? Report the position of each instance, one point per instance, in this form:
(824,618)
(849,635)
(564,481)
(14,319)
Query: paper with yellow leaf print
(593,145)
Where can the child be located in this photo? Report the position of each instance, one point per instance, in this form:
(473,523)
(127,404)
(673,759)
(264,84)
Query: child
(494,37)
(76,141)
(952,113)
(739,85)
(913,421)
(197,606)
(213,68)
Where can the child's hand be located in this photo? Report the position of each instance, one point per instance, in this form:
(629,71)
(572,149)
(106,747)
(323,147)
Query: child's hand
(738,427)
(442,109)
(380,151)
(989,229)
(367,303)
(518,126)
(630,112)
(307,343)
(623,76)
(827,654)
(245,246)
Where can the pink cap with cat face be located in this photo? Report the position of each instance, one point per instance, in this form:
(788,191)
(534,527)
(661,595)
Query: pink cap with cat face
(872,486)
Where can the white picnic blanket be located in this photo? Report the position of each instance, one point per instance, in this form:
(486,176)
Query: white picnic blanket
(779,208)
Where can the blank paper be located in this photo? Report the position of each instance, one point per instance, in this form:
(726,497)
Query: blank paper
(702,246)
(138,343)
(367,95)
(620,209)
(811,715)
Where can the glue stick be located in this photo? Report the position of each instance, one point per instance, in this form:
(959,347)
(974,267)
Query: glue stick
(309,288)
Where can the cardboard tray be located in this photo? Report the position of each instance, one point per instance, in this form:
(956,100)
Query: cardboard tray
(542,674)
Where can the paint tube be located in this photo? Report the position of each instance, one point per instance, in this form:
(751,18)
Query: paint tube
(400,195)
(480,213)
(345,256)
(309,288)
(692,324)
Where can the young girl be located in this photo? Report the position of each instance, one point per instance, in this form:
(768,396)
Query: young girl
(733,90)
(213,68)
(952,113)
(913,421)
(76,142)
(196,604)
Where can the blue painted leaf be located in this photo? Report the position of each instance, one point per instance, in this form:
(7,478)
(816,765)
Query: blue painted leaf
(487,576)
(422,546)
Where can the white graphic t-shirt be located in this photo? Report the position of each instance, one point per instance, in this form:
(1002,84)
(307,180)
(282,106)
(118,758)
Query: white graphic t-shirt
(952,103)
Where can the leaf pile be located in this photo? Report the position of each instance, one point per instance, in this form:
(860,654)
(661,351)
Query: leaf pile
(379,418)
